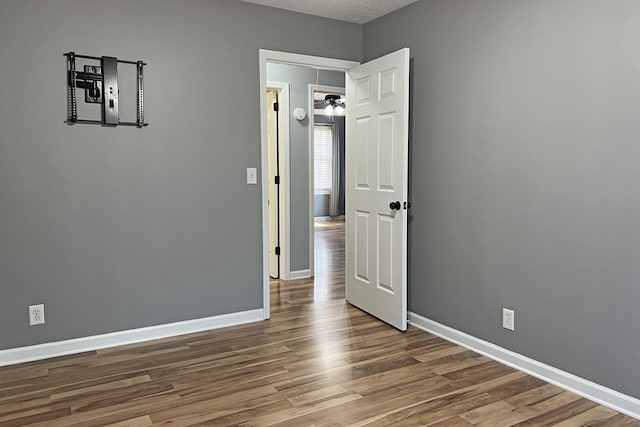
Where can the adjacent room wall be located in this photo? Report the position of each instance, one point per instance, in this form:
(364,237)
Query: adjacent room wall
(299,79)
(120,228)
(525,155)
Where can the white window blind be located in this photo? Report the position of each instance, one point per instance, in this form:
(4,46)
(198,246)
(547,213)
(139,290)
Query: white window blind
(322,157)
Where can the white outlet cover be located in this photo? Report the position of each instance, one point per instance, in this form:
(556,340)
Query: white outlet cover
(36,314)
(508,319)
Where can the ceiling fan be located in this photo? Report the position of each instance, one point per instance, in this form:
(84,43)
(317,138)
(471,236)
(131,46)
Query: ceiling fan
(334,104)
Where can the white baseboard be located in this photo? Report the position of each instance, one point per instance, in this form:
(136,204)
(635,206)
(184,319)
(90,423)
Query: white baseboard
(96,342)
(602,395)
(300,274)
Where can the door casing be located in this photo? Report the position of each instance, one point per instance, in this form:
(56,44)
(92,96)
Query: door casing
(273,56)
(312,202)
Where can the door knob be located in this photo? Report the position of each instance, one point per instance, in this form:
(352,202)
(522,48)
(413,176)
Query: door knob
(394,206)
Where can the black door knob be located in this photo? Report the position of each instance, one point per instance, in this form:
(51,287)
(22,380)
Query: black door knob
(394,206)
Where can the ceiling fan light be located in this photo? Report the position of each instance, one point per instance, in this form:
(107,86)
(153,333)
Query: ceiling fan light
(339,110)
(328,110)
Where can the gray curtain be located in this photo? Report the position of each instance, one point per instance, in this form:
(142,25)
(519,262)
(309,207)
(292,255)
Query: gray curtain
(334,196)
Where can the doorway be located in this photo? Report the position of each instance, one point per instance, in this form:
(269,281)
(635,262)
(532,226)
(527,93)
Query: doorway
(377,180)
(277,102)
(313,62)
(327,159)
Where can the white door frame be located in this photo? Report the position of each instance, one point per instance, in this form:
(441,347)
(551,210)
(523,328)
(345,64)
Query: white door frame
(292,59)
(312,201)
(283,132)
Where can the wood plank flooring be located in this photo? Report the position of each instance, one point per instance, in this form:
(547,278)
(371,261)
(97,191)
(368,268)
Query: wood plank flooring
(317,362)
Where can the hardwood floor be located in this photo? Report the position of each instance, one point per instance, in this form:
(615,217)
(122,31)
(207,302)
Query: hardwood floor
(318,361)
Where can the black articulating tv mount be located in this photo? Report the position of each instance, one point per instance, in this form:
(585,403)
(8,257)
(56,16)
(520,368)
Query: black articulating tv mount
(100,84)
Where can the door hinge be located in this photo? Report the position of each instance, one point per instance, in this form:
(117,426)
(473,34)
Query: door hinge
(276,106)
(277,250)
(277,180)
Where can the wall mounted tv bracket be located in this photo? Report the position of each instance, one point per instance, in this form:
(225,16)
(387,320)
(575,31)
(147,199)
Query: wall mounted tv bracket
(100,84)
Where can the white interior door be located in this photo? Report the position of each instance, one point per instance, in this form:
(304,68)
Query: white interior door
(376,187)
(272,166)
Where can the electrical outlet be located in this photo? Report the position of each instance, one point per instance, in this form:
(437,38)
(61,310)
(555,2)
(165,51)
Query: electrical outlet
(36,314)
(508,319)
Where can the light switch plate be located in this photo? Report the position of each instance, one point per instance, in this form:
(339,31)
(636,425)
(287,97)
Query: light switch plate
(252,176)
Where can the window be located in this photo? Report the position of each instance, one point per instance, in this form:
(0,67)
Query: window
(322,158)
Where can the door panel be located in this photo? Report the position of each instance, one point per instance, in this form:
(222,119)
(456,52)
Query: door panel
(386,167)
(362,246)
(362,152)
(377,175)
(385,253)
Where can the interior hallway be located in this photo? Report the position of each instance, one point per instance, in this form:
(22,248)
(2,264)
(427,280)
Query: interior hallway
(318,361)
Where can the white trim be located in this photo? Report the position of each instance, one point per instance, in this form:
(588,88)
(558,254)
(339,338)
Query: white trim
(300,274)
(312,202)
(96,342)
(285,224)
(600,394)
(264,149)
(319,62)
(282,58)
(333,218)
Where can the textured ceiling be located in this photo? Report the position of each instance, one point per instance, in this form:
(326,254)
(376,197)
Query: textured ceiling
(358,11)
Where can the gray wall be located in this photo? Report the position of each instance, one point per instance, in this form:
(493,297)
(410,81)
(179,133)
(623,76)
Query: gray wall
(525,144)
(122,228)
(321,205)
(299,79)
